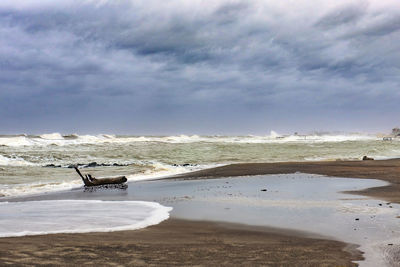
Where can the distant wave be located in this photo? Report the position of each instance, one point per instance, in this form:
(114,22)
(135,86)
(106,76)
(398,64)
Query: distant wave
(74,139)
(57,139)
(53,136)
(35,188)
(16,161)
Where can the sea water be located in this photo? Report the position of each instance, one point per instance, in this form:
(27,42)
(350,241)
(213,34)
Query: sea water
(36,164)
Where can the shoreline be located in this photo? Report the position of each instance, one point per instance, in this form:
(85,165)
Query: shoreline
(208,242)
(386,170)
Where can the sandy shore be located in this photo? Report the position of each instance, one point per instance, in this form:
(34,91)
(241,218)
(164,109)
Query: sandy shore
(180,242)
(387,170)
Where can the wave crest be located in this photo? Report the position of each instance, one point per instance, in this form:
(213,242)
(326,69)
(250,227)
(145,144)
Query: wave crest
(74,139)
(52,136)
(16,161)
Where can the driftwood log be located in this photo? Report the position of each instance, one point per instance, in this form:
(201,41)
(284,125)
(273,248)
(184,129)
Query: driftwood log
(89,180)
(367,158)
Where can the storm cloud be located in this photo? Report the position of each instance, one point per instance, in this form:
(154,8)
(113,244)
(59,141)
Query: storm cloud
(212,67)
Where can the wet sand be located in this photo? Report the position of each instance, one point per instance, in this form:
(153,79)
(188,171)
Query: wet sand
(178,242)
(387,170)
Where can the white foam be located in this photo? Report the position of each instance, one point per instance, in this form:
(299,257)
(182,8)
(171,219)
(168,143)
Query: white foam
(16,161)
(78,216)
(161,170)
(52,136)
(274,134)
(16,141)
(59,140)
(35,188)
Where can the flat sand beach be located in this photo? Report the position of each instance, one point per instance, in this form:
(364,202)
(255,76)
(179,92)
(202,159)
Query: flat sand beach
(181,243)
(204,243)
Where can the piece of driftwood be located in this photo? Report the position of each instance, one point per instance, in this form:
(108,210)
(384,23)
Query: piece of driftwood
(367,158)
(89,180)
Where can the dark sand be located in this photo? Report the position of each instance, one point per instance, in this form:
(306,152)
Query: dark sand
(387,170)
(179,242)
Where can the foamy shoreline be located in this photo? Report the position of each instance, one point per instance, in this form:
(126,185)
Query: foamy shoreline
(78,216)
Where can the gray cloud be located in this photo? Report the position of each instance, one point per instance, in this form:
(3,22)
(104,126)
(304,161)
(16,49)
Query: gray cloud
(144,66)
(350,13)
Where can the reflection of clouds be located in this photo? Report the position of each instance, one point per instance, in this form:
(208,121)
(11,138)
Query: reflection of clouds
(338,205)
(289,203)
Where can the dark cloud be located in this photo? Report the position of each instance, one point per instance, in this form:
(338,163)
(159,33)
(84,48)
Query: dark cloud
(387,24)
(145,66)
(351,13)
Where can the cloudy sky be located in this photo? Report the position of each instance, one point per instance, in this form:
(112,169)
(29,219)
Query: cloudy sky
(205,67)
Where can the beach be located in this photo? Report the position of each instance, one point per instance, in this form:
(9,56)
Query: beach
(187,239)
(179,243)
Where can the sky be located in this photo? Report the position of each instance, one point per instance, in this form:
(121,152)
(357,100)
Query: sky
(199,67)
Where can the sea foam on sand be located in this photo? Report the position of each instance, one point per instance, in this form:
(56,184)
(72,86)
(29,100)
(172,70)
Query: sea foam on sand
(77,216)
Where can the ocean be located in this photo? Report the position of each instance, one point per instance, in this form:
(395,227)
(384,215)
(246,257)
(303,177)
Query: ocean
(35,164)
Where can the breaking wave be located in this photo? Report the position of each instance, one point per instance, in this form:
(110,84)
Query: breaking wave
(74,139)
(53,136)
(15,161)
(7,190)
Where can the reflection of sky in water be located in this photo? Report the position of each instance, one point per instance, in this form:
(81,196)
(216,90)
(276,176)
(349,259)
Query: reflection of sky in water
(300,201)
(297,201)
